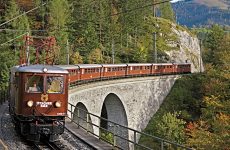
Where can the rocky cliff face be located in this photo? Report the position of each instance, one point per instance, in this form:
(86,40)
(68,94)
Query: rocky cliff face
(189,49)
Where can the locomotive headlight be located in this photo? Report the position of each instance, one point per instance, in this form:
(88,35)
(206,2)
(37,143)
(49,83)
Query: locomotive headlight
(57,104)
(30,103)
(45,70)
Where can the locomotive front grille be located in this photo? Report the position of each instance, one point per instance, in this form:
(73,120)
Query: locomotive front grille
(46,128)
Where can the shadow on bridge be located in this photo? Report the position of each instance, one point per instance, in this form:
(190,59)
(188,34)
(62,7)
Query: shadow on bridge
(114,110)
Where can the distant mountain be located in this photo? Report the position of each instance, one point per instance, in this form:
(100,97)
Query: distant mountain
(202,12)
(222,4)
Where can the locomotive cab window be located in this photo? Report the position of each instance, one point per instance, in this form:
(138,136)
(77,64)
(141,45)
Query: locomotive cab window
(55,84)
(34,84)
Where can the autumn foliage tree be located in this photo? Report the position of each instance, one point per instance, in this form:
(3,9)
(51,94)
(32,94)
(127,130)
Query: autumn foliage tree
(203,100)
(211,130)
(95,57)
(76,58)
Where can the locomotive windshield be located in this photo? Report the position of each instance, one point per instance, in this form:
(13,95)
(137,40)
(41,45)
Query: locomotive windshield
(55,84)
(52,84)
(34,84)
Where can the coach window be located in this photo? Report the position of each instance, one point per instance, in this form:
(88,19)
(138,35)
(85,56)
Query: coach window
(114,69)
(55,84)
(34,84)
(74,72)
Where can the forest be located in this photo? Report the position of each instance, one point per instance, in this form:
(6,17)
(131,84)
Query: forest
(93,31)
(197,111)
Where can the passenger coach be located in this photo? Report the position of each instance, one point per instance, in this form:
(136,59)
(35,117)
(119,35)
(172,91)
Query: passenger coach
(88,72)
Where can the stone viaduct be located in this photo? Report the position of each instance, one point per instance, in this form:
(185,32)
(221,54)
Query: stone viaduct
(129,102)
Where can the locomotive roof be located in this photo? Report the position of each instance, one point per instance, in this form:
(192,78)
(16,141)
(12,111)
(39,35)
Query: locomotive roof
(39,69)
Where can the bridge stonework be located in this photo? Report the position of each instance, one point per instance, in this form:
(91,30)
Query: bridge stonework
(130,102)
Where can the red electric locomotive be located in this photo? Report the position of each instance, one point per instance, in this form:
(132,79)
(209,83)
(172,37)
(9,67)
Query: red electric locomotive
(38,102)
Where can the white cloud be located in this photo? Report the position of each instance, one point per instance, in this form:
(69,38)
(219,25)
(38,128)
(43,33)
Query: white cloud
(174,1)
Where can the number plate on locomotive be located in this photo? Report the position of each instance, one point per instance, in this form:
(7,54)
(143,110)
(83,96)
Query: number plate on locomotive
(43,104)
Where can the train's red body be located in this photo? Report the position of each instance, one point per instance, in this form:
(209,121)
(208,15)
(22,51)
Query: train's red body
(38,101)
(86,72)
(39,93)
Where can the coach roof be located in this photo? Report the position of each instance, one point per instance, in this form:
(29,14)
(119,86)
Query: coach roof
(140,64)
(114,65)
(42,69)
(89,65)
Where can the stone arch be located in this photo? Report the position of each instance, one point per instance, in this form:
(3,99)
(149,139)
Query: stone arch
(80,116)
(113,110)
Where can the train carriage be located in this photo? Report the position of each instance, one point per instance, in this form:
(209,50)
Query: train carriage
(74,72)
(182,68)
(39,104)
(90,71)
(114,70)
(163,68)
(139,69)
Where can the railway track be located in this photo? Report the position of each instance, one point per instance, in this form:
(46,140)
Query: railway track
(44,144)
(67,141)
(47,146)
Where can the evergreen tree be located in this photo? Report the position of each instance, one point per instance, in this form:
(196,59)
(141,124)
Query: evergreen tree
(21,23)
(41,18)
(9,52)
(167,12)
(164,35)
(59,15)
(223,57)
(131,32)
(86,26)
(4,77)
(213,43)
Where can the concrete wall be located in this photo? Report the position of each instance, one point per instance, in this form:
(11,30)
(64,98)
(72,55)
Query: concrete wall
(141,98)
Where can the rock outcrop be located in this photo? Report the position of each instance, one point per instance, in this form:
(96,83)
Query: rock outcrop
(189,49)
